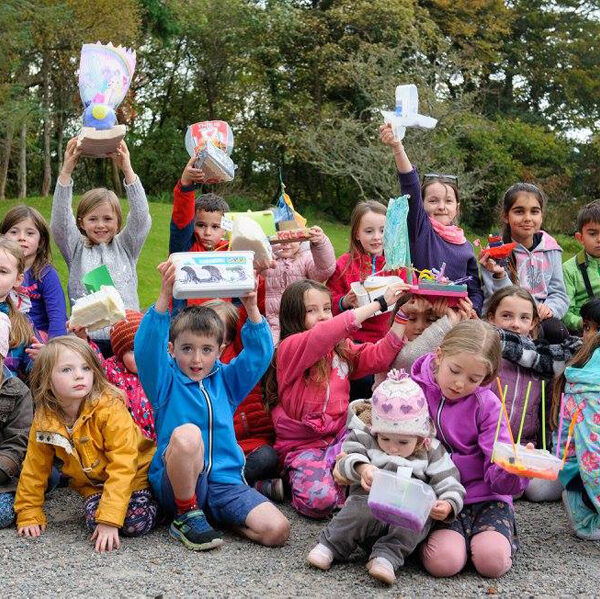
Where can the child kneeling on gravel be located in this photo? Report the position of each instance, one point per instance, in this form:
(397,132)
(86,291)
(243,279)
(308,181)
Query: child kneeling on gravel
(198,464)
(393,430)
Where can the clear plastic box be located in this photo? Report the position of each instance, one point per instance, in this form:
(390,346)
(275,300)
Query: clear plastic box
(398,499)
(213,274)
(532,463)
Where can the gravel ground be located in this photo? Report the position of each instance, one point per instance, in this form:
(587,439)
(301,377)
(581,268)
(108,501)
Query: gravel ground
(551,563)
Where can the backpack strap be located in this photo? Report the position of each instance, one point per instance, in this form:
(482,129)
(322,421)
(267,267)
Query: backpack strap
(582,265)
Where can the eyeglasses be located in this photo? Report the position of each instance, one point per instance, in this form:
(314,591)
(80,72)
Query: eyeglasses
(440,177)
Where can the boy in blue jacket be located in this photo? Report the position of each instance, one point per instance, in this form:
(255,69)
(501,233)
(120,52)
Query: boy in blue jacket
(198,464)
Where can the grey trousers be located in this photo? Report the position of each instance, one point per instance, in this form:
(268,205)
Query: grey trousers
(355,526)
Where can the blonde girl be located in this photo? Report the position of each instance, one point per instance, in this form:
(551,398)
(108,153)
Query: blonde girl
(465,412)
(93,237)
(81,419)
(41,291)
(23,343)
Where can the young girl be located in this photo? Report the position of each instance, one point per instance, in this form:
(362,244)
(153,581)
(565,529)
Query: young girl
(41,283)
(16,412)
(23,340)
(81,419)
(590,315)
(524,360)
(253,424)
(426,328)
(294,262)
(308,383)
(536,262)
(434,237)
(391,431)
(580,477)
(465,413)
(94,237)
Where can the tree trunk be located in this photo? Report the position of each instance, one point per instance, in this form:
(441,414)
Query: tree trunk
(6,159)
(47,180)
(116,179)
(23,163)
(60,137)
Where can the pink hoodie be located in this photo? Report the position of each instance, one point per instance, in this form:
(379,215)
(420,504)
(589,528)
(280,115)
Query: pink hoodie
(309,415)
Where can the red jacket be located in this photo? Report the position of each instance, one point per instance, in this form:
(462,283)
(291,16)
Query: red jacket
(348,270)
(253,426)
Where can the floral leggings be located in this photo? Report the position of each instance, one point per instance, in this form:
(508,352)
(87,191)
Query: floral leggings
(139,519)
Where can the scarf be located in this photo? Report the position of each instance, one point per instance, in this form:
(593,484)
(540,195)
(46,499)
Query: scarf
(449,233)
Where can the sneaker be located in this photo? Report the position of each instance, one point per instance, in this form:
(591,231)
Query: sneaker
(381,569)
(193,530)
(320,557)
(271,488)
(585,522)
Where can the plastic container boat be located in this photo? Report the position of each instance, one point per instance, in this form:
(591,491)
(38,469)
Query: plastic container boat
(532,463)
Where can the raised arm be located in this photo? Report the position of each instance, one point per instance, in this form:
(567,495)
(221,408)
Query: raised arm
(321,262)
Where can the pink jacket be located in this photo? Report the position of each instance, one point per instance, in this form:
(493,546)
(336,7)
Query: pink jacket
(318,264)
(310,415)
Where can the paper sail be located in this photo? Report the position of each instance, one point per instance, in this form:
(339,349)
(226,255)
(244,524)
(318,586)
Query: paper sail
(105,74)
(395,234)
(406,113)
(95,279)
(219,132)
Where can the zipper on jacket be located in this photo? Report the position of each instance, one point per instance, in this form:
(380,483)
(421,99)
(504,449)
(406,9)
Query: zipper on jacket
(210,427)
(439,425)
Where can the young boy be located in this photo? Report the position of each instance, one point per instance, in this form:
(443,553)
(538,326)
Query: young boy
(581,272)
(198,464)
(195,224)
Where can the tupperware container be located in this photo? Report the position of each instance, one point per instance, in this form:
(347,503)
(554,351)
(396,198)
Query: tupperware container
(213,274)
(373,287)
(532,463)
(398,499)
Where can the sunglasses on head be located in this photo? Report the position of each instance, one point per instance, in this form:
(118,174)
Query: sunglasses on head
(440,177)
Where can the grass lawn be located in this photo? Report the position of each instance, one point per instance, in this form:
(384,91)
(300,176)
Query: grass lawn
(156,246)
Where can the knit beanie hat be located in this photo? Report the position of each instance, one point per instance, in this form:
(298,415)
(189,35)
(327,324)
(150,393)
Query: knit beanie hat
(399,407)
(123,332)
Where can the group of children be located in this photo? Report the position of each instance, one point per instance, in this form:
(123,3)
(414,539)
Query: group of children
(204,413)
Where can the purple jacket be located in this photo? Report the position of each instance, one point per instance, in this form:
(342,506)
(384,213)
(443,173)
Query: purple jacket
(429,250)
(466,427)
(48,306)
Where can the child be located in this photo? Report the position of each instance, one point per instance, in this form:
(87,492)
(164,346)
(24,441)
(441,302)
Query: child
(536,262)
(308,384)
(581,474)
(16,413)
(294,262)
(465,413)
(590,318)
(198,465)
(41,283)
(196,225)
(434,237)
(391,431)
(426,327)
(253,425)
(23,340)
(94,237)
(514,312)
(81,420)
(582,271)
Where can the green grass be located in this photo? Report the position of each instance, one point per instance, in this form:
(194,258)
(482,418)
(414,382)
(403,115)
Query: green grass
(156,247)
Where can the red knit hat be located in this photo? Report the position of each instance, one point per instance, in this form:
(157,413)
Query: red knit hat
(123,332)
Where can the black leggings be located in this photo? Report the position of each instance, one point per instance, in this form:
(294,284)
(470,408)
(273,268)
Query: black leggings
(261,464)
(554,330)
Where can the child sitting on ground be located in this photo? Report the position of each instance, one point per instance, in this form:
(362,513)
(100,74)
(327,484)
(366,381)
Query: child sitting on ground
(292,263)
(198,465)
(582,271)
(392,430)
(16,413)
(253,425)
(81,419)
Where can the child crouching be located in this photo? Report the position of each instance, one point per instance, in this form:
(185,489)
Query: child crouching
(393,430)
(81,419)
(198,464)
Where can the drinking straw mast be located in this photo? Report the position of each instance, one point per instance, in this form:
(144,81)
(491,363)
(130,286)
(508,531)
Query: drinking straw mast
(524,412)
(503,397)
(560,422)
(544,415)
(512,440)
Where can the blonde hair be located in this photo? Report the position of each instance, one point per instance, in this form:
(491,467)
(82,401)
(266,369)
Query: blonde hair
(230,316)
(40,380)
(92,199)
(475,337)
(21,329)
